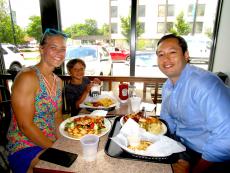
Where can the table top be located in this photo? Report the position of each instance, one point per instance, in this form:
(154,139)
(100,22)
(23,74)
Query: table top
(103,163)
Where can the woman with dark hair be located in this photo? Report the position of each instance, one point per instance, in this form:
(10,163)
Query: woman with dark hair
(36,102)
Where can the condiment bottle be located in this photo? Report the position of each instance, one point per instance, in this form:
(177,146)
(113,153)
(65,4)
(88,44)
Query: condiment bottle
(123,91)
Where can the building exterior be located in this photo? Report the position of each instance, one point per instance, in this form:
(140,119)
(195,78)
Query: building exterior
(156,20)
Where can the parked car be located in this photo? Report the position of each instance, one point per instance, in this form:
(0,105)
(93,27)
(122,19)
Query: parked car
(13,58)
(119,54)
(145,61)
(97,58)
(199,48)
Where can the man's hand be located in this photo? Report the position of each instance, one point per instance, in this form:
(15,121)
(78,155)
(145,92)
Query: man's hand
(181,166)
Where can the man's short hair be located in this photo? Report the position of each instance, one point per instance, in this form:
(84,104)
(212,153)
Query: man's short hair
(181,40)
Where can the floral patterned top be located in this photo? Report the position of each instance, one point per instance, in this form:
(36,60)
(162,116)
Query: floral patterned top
(45,108)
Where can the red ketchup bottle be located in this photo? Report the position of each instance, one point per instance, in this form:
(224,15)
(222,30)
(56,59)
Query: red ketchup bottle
(123,91)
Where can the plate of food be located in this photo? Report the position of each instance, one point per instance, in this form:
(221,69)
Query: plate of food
(100,103)
(151,124)
(78,126)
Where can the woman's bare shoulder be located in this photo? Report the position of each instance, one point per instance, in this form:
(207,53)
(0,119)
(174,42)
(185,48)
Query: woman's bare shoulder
(26,77)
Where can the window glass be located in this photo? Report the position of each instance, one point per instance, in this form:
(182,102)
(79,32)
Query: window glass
(114,11)
(141,11)
(200,9)
(114,29)
(162,10)
(164,17)
(21,26)
(107,23)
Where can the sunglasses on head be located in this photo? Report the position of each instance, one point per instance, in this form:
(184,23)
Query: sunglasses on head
(50,32)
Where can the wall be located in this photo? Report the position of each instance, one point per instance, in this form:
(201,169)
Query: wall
(222,56)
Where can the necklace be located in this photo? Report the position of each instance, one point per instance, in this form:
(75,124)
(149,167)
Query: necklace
(51,89)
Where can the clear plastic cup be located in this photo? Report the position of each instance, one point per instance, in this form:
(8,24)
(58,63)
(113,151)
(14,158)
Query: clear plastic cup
(135,104)
(89,145)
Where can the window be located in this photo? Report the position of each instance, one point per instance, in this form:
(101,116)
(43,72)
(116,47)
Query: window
(161,26)
(162,10)
(114,11)
(200,10)
(141,11)
(114,28)
(99,22)
(198,27)
(143,26)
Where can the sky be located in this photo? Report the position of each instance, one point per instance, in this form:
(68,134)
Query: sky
(71,11)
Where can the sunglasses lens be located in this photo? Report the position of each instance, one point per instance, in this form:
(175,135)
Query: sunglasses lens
(50,31)
(55,32)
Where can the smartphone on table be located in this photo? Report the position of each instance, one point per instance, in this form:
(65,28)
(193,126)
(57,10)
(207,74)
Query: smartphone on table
(58,157)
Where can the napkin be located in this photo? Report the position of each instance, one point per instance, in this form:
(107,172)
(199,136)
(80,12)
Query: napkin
(99,113)
(148,106)
(161,146)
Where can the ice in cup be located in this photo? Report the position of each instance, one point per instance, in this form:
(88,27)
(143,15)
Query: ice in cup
(135,104)
(89,145)
(95,90)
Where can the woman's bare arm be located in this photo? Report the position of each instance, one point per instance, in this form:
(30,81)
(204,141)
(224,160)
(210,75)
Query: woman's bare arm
(23,97)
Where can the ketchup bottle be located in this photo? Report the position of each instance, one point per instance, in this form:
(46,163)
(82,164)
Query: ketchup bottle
(123,91)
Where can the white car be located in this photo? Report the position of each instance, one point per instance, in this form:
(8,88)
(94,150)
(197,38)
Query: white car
(97,59)
(199,47)
(13,58)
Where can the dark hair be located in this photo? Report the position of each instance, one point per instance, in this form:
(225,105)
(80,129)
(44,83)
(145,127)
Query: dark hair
(180,39)
(72,62)
(51,32)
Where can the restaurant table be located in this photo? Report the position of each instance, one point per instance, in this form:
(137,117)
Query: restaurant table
(103,163)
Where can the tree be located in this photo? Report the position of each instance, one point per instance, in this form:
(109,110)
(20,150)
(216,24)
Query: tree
(6,32)
(34,28)
(181,26)
(104,30)
(87,28)
(126,28)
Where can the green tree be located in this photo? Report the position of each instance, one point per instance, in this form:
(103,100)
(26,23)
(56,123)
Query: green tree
(126,28)
(6,32)
(87,28)
(34,28)
(104,30)
(181,26)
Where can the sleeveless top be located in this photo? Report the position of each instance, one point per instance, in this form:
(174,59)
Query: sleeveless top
(45,108)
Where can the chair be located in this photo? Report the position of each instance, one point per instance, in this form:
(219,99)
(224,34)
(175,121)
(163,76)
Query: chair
(5,118)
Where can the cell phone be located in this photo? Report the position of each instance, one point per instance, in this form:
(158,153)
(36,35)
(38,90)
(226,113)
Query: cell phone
(58,157)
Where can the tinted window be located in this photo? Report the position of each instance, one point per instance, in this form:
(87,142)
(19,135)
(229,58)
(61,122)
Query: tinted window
(13,49)
(4,52)
(82,52)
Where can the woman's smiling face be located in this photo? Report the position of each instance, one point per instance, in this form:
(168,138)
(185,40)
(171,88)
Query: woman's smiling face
(171,59)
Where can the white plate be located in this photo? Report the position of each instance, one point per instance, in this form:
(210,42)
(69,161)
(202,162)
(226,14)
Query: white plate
(64,133)
(164,129)
(91,99)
